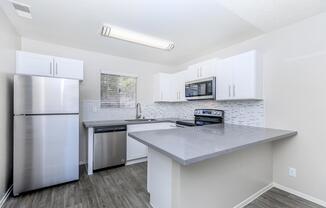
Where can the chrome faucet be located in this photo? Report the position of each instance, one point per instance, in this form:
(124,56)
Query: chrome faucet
(138,111)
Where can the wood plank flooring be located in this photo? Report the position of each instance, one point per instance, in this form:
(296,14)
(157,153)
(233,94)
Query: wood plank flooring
(276,198)
(124,187)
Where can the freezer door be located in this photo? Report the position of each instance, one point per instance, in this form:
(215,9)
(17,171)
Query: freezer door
(46,151)
(45,95)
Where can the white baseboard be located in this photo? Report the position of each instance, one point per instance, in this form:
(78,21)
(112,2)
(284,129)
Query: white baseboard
(140,160)
(5,197)
(254,196)
(300,194)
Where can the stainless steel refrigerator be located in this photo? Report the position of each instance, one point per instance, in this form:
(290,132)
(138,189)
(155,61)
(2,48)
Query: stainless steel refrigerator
(46,132)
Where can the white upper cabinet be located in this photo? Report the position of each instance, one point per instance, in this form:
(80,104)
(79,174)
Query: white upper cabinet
(169,87)
(68,68)
(201,70)
(34,64)
(224,79)
(180,80)
(163,87)
(42,65)
(239,78)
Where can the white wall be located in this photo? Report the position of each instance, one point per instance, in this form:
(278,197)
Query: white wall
(9,42)
(94,63)
(294,65)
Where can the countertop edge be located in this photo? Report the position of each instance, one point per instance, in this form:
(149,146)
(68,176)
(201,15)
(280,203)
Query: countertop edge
(210,156)
(118,122)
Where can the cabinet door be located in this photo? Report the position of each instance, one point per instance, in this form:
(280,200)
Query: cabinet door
(180,85)
(68,68)
(207,68)
(137,150)
(244,76)
(172,89)
(34,64)
(162,87)
(165,81)
(192,73)
(223,74)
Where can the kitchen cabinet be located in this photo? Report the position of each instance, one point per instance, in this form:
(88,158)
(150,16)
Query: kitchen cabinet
(169,87)
(164,85)
(179,86)
(239,78)
(68,68)
(42,65)
(201,70)
(137,150)
(34,64)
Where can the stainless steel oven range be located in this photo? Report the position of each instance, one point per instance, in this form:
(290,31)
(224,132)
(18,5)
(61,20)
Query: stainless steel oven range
(204,117)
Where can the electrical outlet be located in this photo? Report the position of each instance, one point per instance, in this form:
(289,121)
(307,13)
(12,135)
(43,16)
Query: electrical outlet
(292,172)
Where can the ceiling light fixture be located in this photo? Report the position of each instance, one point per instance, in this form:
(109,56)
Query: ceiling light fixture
(135,37)
(22,10)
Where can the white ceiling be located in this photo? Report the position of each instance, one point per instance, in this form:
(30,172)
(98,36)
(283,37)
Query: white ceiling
(196,26)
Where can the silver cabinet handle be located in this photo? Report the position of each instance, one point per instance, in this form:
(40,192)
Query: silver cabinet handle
(56,68)
(233,90)
(229,90)
(50,68)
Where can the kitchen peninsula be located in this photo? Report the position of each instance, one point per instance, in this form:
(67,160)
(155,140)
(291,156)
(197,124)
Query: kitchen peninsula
(213,166)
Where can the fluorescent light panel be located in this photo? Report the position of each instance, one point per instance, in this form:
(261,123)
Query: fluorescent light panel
(22,9)
(135,37)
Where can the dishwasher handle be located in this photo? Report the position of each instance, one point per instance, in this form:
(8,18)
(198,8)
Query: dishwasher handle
(108,129)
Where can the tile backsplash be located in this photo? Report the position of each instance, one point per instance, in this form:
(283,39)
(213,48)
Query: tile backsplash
(236,112)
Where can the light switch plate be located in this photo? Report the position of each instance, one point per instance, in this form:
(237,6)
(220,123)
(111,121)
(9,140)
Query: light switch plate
(292,172)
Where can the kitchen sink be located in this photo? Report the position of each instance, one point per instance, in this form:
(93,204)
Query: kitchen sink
(142,119)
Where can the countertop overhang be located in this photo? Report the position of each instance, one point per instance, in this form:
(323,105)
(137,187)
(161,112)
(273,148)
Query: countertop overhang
(194,144)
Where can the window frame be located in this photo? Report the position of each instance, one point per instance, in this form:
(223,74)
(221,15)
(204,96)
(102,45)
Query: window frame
(103,104)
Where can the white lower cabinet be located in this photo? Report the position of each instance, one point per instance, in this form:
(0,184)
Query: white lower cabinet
(137,150)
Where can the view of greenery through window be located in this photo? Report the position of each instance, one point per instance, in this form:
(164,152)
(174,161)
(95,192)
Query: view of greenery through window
(118,91)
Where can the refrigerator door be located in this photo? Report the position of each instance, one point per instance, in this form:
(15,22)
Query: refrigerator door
(46,151)
(45,95)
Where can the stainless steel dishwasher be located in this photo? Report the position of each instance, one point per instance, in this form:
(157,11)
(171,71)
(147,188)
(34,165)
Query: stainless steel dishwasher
(109,146)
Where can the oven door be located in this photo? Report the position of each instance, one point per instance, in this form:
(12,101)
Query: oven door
(203,89)
(207,120)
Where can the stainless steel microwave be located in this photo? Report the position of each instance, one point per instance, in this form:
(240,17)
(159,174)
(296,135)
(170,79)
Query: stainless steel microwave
(202,89)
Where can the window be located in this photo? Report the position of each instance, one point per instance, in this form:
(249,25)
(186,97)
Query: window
(118,91)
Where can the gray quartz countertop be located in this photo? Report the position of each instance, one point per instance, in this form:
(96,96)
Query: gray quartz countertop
(194,144)
(91,124)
